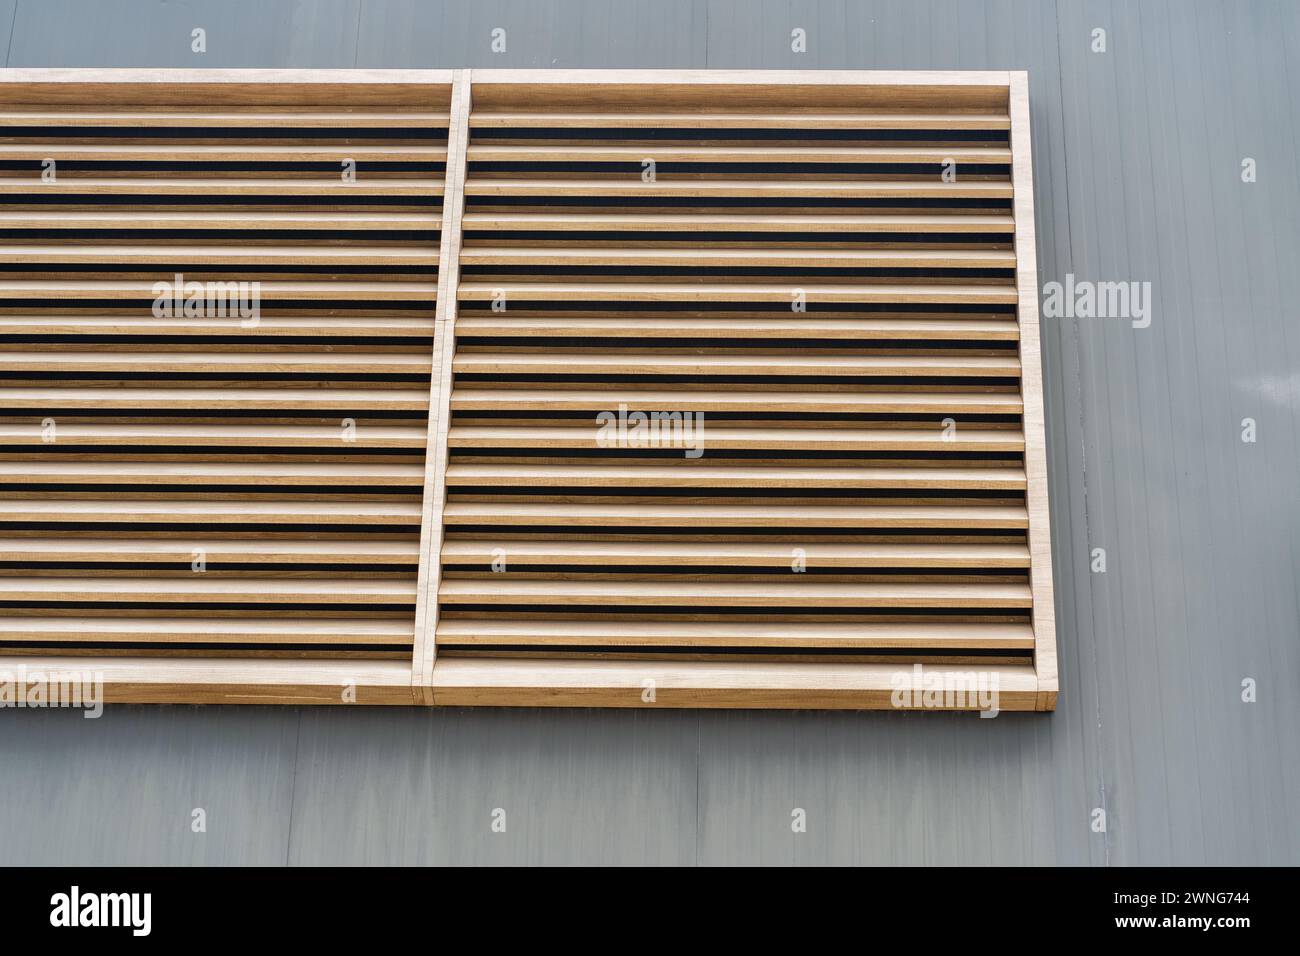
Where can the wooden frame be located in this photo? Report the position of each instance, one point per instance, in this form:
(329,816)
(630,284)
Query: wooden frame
(484,99)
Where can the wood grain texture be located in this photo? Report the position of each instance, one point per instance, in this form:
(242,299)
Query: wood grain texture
(199,486)
(440,387)
(875,434)
(592,282)
(1040,532)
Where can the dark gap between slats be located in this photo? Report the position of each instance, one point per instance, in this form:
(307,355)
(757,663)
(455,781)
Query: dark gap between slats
(566,237)
(256,135)
(687,271)
(668,167)
(739,418)
(222,166)
(300,572)
(693,649)
(807,532)
(920,309)
(603,203)
(735,491)
(517,571)
(685,341)
(320,648)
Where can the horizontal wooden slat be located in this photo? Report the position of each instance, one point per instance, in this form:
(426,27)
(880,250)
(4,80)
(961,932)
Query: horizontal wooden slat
(277,436)
(752,365)
(732,516)
(252,475)
(555,683)
(781,153)
(215,631)
(244,220)
(688,594)
(246,364)
(334,154)
(484,256)
(145,291)
(808,328)
(708,119)
(715,439)
(213,680)
(794,220)
(462,633)
(865,403)
(738,554)
(152,551)
(739,292)
(221,255)
(214,400)
(182,187)
(211,515)
(203,588)
(751,189)
(202,119)
(723,478)
(415,328)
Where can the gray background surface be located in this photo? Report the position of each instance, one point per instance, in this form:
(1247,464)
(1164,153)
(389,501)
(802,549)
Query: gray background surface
(1137,166)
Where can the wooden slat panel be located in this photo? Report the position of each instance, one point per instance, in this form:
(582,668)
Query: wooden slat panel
(216,485)
(838,326)
(405,449)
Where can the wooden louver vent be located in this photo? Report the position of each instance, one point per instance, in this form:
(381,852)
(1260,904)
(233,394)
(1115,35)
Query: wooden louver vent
(819,288)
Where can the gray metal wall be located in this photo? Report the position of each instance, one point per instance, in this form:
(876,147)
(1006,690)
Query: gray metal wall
(1138,155)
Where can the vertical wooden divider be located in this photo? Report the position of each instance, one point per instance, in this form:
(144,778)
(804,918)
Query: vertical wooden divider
(444,346)
(1040,532)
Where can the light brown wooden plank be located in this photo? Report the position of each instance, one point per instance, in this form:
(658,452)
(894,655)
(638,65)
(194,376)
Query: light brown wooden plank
(796,221)
(747,188)
(596,634)
(866,403)
(722,477)
(767,119)
(1040,540)
(737,554)
(774,153)
(688,594)
(714,438)
(535,683)
(789,256)
(216,631)
(440,388)
(752,365)
(733,516)
(205,399)
(522,291)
